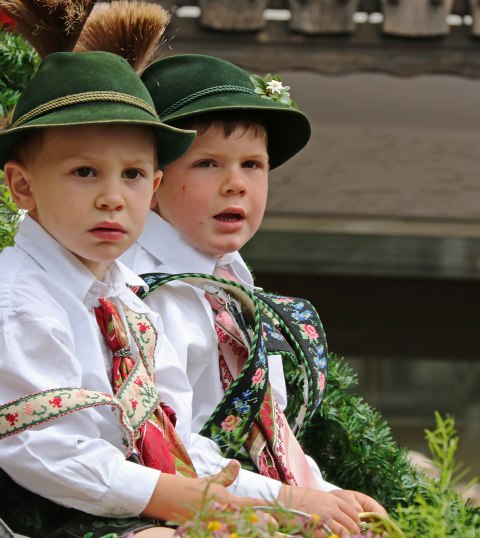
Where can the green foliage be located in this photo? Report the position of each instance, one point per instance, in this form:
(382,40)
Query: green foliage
(18,63)
(353,444)
(354,447)
(438,511)
(9,216)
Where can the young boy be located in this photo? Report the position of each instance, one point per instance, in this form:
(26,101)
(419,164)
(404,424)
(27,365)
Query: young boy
(81,156)
(210,202)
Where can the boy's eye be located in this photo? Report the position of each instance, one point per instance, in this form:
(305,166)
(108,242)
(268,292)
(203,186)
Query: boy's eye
(205,164)
(132,173)
(84,171)
(251,164)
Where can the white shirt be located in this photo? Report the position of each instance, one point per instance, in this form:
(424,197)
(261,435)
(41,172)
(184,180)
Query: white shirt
(49,338)
(188,321)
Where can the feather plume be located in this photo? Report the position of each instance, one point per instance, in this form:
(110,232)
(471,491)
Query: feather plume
(49,25)
(131,29)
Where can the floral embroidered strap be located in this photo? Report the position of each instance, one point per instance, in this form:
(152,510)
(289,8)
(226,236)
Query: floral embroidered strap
(270,443)
(294,323)
(135,399)
(48,405)
(287,326)
(242,400)
(249,405)
(157,442)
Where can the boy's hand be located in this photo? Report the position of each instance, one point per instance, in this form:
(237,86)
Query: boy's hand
(360,501)
(338,513)
(179,498)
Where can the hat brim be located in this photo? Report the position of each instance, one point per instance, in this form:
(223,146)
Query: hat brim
(171,142)
(288,129)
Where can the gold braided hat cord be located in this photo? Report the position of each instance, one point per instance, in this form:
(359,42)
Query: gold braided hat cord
(84,97)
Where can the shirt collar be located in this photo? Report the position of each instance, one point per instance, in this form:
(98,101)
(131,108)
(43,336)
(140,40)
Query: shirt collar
(166,243)
(66,269)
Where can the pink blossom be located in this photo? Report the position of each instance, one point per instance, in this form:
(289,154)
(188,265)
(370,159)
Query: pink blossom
(230,423)
(309,331)
(258,376)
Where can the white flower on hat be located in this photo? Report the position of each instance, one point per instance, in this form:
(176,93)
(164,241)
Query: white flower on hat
(271,87)
(274,86)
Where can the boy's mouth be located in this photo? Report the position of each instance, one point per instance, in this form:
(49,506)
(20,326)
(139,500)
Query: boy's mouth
(230,216)
(108,230)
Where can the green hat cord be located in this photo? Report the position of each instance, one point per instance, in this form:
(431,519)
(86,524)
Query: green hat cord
(188,85)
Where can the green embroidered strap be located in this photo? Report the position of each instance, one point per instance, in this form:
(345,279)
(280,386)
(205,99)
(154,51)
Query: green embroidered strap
(231,420)
(299,323)
(290,327)
(48,405)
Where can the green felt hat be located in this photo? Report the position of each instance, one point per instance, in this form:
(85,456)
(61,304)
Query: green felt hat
(187,85)
(91,88)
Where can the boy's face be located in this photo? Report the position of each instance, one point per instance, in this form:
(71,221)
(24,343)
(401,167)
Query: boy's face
(90,187)
(216,193)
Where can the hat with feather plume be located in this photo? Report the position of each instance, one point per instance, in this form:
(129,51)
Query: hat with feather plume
(72,88)
(187,86)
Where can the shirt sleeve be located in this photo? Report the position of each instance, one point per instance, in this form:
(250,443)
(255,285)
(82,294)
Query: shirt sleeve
(188,324)
(77,460)
(207,459)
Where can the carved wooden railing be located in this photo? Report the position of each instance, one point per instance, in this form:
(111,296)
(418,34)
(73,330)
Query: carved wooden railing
(400,37)
(409,18)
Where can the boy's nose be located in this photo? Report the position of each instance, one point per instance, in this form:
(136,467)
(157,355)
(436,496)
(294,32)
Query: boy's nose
(110,197)
(234,183)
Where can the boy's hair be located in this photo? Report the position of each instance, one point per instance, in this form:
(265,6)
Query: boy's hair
(229,121)
(29,147)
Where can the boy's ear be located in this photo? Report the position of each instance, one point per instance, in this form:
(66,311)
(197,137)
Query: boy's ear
(156,183)
(18,181)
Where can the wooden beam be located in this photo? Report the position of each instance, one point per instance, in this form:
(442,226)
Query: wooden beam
(276,48)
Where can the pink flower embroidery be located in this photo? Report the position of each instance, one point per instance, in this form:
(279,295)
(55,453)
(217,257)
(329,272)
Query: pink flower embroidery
(12,418)
(133,403)
(309,331)
(284,300)
(258,376)
(28,410)
(56,402)
(222,336)
(143,327)
(138,381)
(230,423)
(321,380)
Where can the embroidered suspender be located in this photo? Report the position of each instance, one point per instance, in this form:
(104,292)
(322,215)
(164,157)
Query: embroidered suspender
(290,327)
(297,321)
(230,422)
(131,410)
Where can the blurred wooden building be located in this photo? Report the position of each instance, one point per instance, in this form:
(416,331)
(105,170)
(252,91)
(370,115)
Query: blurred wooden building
(378,220)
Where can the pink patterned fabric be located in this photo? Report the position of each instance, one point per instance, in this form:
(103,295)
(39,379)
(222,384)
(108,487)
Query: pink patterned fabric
(271,443)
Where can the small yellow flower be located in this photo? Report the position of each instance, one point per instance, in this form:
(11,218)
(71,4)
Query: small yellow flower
(234,535)
(214,526)
(253,518)
(315,517)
